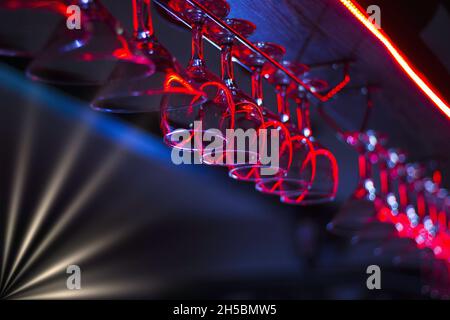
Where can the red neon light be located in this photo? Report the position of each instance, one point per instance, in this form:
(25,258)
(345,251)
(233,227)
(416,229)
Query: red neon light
(419,79)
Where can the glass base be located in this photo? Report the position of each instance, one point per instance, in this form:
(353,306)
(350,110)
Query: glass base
(254,173)
(311,197)
(282,186)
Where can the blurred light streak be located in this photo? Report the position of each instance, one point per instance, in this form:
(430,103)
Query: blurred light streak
(51,191)
(87,251)
(130,138)
(22,160)
(87,191)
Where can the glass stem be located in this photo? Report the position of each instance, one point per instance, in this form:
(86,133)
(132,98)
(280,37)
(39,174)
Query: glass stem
(403,193)
(385,181)
(142,20)
(303,116)
(197,45)
(282,103)
(257,87)
(364,170)
(227,68)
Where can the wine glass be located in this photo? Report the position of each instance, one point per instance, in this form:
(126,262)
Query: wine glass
(324,186)
(168,87)
(302,168)
(359,210)
(89,55)
(425,221)
(390,204)
(255,61)
(401,208)
(242,159)
(213,114)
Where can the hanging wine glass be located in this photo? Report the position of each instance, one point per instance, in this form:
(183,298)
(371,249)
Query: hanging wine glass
(18,39)
(424,223)
(213,112)
(408,213)
(302,168)
(359,211)
(255,61)
(247,115)
(168,87)
(391,168)
(324,186)
(89,55)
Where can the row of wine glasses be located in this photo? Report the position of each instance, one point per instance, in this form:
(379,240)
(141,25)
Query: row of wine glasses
(396,209)
(297,157)
(395,204)
(138,74)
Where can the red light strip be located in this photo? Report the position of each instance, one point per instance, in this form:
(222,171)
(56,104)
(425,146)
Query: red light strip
(399,57)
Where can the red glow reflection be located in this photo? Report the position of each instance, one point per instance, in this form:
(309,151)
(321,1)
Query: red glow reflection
(431,233)
(52,5)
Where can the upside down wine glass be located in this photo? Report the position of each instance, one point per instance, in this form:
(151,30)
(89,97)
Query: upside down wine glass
(418,216)
(359,211)
(247,115)
(324,185)
(89,55)
(404,205)
(272,123)
(212,113)
(302,167)
(166,87)
(390,165)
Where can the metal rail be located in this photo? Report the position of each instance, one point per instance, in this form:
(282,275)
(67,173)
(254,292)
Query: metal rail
(322,97)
